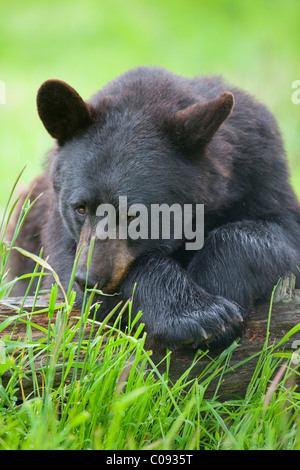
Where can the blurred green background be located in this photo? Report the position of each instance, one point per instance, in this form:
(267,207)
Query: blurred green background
(255,44)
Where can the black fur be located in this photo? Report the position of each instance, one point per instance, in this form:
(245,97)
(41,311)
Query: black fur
(159,138)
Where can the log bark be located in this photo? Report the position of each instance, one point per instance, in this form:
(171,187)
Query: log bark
(284,316)
(267,324)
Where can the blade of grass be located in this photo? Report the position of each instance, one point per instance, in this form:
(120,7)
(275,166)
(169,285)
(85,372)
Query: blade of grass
(47,266)
(8,201)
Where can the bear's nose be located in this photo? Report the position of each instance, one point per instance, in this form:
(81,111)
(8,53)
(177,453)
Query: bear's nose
(89,280)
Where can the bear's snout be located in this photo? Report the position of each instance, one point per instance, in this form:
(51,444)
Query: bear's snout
(89,280)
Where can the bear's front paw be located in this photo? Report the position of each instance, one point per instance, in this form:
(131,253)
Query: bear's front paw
(211,322)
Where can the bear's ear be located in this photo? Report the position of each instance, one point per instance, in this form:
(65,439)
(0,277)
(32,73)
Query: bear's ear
(61,109)
(195,125)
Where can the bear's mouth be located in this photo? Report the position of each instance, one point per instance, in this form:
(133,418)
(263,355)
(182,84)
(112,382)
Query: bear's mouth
(108,281)
(88,280)
(91,281)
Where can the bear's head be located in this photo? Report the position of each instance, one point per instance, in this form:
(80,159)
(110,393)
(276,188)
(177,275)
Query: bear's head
(123,153)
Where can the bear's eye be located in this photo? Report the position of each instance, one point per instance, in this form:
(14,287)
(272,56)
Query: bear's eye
(81,210)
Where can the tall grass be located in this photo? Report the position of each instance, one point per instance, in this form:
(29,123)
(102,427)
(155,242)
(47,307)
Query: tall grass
(96,386)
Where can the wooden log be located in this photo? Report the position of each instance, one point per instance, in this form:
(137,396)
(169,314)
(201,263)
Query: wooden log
(285,315)
(12,308)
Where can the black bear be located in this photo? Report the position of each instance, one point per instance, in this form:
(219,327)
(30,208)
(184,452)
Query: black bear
(154,138)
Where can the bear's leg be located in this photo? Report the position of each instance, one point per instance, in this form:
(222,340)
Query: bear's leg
(175,310)
(208,304)
(243,261)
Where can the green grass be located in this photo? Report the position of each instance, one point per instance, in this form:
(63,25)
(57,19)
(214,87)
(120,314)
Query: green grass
(97,410)
(102,390)
(253,43)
